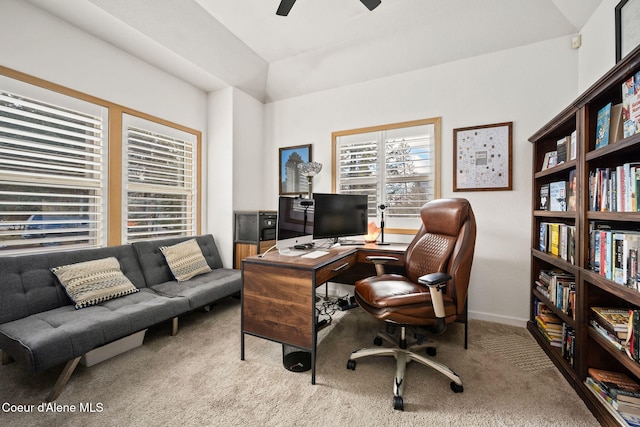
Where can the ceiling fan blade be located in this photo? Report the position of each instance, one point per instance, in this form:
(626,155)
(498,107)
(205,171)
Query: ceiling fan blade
(371,4)
(285,7)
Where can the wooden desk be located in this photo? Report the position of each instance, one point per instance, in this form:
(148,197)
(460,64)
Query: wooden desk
(279,292)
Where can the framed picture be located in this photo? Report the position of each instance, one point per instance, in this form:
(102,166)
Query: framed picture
(627,28)
(482,157)
(291,181)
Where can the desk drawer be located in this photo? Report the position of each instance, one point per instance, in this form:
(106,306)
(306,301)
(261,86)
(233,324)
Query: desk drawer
(329,271)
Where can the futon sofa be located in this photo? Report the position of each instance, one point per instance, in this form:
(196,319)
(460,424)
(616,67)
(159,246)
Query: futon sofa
(41,326)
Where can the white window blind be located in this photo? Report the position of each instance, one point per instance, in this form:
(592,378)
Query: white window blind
(396,167)
(52,163)
(160,182)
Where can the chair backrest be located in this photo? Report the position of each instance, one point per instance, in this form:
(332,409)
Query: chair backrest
(445,242)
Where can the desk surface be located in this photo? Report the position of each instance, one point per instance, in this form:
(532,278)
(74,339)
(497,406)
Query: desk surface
(274,258)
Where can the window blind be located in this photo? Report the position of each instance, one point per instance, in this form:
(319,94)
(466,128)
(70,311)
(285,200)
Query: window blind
(52,162)
(161,185)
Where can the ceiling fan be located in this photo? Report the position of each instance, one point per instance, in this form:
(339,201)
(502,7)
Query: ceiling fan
(286,5)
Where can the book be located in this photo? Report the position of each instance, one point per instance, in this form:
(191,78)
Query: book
(550,159)
(572,191)
(603,123)
(613,381)
(628,396)
(562,147)
(628,91)
(573,147)
(616,130)
(558,196)
(543,204)
(607,334)
(627,408)
(554,238)
(543,244)
(615,318)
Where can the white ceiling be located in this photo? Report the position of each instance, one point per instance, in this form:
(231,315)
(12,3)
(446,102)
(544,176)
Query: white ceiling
(322,44)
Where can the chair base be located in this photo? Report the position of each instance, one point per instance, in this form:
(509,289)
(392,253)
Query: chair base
(403,356)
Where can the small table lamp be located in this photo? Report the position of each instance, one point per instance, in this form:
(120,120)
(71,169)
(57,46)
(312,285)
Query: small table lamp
(309,169)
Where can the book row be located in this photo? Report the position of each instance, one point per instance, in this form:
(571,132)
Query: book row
(614,254)
(558,239)
(555,331)
(619,391)
(612,324)
(614,189)
(566,149)
(617,121)
(559,288)
(631,105)
(559,196)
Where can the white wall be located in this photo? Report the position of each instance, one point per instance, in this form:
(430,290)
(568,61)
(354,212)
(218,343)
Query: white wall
(248,149)
(598,50)
(527,85)
(37,43)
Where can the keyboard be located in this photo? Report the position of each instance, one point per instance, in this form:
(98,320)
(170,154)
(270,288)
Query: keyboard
(315,254)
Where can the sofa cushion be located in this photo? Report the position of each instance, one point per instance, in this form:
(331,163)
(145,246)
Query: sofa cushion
(53,337)
(154,265)
(91,282)
(29,286)
(185,260)
(204,289)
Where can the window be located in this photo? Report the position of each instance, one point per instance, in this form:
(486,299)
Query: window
(395,165)
(59,170)
(52,171)
(160,181)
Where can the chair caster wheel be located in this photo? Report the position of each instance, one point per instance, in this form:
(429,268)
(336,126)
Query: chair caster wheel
(377,341)
(456,388)
(351,364)
(398,403)
(431,351)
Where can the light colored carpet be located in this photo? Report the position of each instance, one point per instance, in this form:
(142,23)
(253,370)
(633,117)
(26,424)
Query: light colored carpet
(197,378)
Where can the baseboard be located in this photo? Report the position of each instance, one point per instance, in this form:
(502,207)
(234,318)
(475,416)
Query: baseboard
(496,318)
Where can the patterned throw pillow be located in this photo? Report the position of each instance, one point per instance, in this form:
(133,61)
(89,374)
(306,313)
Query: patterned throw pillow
(92,282)
(185,260)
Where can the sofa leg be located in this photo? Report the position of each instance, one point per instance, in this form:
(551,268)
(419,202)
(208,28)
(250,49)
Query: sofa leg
(174,327)
(6,359)
(206,308)
(63,379)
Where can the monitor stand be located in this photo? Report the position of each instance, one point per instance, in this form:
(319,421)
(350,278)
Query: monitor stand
(337,242)
(291,252)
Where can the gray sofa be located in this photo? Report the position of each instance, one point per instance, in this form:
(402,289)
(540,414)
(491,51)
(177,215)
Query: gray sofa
(40,326)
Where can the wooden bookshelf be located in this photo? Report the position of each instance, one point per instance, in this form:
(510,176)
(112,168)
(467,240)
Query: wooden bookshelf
(592,289)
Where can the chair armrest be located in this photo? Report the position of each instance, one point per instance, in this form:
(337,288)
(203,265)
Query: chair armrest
(379,261)
(434,279)
(435,282)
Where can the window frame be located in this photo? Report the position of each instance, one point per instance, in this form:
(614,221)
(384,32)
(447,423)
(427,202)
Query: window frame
(114,150)
(435,121)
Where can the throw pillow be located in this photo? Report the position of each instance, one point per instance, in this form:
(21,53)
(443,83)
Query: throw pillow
(185,260)
(92,282)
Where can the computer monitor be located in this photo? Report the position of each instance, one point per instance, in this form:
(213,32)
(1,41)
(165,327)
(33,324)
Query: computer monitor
(295,222)
(340,215)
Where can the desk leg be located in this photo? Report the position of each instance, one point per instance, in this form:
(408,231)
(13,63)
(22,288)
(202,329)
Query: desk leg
(241,345)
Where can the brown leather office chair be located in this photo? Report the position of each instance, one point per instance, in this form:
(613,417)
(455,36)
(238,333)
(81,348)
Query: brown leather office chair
(432,294)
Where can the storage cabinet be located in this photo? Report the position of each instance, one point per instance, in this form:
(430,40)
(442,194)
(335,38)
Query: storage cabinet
(586,348)
(254,233)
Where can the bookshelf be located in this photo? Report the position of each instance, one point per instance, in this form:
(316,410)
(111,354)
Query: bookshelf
(580,120)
